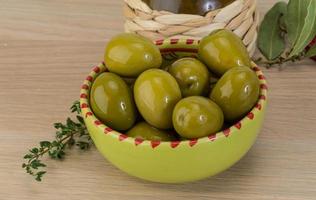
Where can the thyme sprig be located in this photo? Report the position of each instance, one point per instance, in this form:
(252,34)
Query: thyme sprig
(69,134)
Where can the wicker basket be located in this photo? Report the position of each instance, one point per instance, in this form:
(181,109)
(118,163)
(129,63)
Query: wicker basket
(240,16)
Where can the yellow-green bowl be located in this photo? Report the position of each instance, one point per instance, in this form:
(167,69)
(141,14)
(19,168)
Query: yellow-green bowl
(177,161)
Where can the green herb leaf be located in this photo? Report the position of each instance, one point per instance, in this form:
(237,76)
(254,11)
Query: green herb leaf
(39,175)
(270,41)
(35,164)
(45,144)
(34,150)
(308,31)
(76,107)
(27,156)
(80,119)
(58,125)
(311,52)
(296,14)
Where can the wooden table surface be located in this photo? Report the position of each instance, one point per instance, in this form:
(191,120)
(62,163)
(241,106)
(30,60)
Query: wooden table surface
(46,50)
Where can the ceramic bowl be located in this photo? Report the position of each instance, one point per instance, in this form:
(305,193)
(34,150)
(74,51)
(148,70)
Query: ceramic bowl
(176,161)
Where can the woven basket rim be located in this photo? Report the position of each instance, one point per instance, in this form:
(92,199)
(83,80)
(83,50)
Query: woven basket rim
(239,16)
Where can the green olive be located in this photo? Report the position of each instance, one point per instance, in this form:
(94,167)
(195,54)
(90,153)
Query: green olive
(112,102)
(223,50)
(128,54)
(145,131)
(156,93)
(195,117)
(191,75)
(236,92)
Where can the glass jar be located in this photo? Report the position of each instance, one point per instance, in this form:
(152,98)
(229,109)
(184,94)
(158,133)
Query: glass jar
(200,7)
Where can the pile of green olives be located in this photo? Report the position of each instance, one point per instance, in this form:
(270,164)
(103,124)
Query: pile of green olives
(191,98)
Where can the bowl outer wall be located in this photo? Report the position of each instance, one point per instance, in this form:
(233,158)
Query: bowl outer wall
(175,162)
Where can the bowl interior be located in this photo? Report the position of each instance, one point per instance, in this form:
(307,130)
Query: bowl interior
(170,50)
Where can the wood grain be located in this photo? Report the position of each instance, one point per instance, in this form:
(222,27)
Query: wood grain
(48,47)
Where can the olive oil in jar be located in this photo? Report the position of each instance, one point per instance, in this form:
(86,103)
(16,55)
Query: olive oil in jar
(199,7)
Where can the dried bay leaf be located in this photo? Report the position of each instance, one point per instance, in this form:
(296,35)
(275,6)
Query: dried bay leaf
(295,18)
(270,41)
(308,31)
(282,20)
